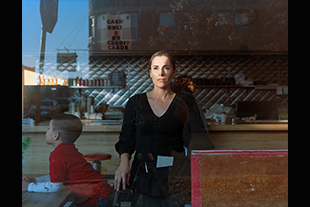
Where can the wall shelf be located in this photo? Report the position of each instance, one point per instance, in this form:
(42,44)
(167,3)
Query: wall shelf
(261,87)
(97,87)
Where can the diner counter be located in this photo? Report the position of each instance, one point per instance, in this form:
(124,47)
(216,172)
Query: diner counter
(215,128)
(98,138)
(249,127)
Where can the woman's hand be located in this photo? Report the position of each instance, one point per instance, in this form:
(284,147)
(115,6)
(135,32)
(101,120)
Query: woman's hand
(122,174)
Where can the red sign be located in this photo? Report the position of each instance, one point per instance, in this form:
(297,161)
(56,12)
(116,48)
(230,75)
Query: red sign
(66,61)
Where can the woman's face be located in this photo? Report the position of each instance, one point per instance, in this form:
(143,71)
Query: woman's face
(162,72)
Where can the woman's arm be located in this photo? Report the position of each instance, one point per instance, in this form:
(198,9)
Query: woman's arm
(126,145)
(122,174)
(197,129)
(127,139)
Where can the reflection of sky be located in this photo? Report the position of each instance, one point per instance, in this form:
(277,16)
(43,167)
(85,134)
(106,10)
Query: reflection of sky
(82,68)
(72,18)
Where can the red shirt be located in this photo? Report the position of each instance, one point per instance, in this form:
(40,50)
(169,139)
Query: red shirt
(68,166)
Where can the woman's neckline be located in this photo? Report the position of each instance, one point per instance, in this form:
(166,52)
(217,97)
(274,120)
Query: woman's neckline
(167,109)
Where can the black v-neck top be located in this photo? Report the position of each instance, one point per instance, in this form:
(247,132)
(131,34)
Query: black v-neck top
(166,109)
(149,136)
(145,133)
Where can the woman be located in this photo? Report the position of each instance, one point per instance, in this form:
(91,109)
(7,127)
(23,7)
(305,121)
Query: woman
(153,126)
(185,84)
(196,135)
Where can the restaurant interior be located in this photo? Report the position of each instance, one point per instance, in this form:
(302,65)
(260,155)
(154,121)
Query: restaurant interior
(236,52)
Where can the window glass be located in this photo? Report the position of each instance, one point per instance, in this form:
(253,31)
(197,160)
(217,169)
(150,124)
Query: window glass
(92,59)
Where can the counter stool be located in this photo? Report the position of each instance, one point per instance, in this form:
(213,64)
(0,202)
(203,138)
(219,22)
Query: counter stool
(96,158)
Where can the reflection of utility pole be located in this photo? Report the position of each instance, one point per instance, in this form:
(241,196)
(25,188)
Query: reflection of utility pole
(41,65)
(49,15)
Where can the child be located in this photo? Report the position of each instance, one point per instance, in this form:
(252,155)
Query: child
(68,166)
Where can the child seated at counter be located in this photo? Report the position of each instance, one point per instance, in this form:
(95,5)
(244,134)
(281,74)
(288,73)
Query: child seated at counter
(68,166)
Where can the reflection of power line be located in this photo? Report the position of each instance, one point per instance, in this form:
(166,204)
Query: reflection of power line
(83,18)
(77,32)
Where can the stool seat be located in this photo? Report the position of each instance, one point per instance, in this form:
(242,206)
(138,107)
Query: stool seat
(97,157)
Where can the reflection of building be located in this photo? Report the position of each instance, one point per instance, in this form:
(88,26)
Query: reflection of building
(28,78)
(211,39)
(122,26)
(199,25)
(29,75)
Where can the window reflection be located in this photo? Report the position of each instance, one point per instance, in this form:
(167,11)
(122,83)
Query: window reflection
(97,58)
